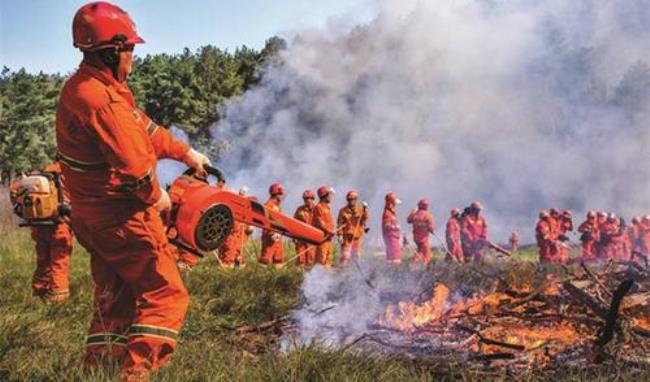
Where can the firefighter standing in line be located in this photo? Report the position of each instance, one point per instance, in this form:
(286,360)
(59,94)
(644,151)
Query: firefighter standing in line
(109,150)
(423,226)
(50,280)
(390,229)
(324,220)
(473,232)
(245,238)
(514,241)
(545,238)
(306,253)
(272,250)
(351,222)
(452,236)
(590,236)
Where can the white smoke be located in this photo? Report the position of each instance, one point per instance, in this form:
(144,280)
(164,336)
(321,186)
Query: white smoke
(520,104)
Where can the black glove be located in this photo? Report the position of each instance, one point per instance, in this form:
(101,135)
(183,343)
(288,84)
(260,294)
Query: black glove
(366,229)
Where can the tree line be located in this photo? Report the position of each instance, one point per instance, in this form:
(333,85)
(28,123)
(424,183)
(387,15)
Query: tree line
(184,90)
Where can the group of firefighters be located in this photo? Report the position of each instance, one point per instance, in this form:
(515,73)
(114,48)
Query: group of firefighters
(108,150)
(466,232)
(603,235)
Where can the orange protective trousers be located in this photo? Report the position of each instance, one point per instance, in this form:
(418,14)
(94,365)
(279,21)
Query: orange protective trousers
(324,253)
(140,299)
(423,253)
(272,250)
(350,248)
(53,249)
(305,254)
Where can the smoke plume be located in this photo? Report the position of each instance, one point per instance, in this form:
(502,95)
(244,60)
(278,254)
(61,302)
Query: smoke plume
(520,104)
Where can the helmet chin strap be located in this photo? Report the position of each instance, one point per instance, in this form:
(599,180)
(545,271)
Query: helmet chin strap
(111,58)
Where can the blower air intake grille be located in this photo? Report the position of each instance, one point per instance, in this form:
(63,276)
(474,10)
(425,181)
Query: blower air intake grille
(214,227)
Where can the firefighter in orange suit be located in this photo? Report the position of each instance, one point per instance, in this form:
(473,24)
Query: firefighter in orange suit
(324,220)
(272,250)
(305,253)
(50,281)
(351,222)
(109,149)
(423,226)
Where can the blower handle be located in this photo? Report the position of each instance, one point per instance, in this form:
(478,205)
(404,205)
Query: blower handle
(210,170)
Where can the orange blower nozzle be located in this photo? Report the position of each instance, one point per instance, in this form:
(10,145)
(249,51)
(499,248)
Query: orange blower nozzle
(202,215)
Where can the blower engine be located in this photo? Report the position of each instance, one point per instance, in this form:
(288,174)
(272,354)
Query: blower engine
(203,215)
(38,199)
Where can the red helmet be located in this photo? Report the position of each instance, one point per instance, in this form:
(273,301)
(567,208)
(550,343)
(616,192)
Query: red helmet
(476,205)
(554,211)
(323,191)
(455,212)
(391,197)
(567,213)
(276,189)
(308,194)
(101,25)
(352,195)
(423,204)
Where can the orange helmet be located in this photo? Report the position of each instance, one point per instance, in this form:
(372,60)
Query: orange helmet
(423,204)
(276,189)
(352,195)
(323,191)
(101,25)
(476,205)
(308,194)
(391,197)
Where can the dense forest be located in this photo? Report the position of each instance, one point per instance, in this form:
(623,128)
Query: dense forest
(183,90)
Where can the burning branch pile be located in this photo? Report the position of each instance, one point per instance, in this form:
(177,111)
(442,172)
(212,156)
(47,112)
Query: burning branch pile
(578,319)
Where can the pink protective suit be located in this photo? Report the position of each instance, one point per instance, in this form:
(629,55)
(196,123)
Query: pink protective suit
(423,226)
(392,233)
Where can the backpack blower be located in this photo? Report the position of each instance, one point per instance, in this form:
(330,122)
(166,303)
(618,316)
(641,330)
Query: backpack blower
(38,199)
(203,215)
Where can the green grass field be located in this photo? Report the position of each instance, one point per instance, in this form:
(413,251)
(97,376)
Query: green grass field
(41,342)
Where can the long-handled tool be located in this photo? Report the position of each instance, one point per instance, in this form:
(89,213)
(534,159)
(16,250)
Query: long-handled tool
(354,259)
(497,247)
(444,246)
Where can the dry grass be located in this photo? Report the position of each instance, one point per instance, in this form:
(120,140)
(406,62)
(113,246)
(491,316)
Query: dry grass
(45,342)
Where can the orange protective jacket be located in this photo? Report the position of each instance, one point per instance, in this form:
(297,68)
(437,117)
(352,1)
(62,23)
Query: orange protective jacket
(304,213)
(423,224)
(273,205)
(543,232)
(323,218)
(102,134)
(644,238)
(351,222)
(474,228)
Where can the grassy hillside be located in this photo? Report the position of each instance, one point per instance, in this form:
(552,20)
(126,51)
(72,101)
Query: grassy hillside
(41,342)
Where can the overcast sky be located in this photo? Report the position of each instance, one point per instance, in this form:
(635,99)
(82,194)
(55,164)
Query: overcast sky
(36,34)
